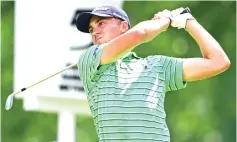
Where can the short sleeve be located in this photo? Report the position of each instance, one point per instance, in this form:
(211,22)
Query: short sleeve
(173,70)
(88,64)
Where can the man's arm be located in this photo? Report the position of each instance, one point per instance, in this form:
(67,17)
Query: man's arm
(142,32)
(214,59)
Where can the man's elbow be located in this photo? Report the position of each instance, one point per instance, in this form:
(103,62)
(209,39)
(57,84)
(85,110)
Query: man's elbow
(224,64)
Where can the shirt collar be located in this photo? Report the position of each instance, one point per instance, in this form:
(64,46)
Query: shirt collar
(130,55)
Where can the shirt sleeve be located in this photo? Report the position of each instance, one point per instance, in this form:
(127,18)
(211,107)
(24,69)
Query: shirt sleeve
(88,64)
(173,71)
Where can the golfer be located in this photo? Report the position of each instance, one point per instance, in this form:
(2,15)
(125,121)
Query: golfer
(126,93)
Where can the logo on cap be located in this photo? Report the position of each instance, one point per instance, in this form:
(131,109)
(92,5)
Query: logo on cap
(101,9)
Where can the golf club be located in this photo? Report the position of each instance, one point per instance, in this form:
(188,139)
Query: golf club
(10,98)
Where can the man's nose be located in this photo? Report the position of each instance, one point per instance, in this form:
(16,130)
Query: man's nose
(96,31)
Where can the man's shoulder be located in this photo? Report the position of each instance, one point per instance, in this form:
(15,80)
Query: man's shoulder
(91,50)
(94,46)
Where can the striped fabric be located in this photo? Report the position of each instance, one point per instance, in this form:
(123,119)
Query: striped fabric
(126,97)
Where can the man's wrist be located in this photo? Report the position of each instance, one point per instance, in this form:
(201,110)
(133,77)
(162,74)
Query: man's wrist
(167,21)
(190,23)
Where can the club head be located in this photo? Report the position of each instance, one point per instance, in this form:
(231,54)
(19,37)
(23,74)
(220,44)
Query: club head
(9,102)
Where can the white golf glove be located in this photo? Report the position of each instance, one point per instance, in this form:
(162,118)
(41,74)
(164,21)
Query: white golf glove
(179,20)
(164,13)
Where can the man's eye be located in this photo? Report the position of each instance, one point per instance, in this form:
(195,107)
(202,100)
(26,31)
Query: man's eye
(101,23)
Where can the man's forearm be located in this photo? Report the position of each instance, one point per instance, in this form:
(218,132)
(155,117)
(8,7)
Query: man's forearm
(152,28)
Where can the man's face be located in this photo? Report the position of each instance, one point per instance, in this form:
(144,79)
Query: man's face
(105,29)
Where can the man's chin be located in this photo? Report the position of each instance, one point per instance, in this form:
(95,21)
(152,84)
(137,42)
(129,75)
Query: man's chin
(101,42)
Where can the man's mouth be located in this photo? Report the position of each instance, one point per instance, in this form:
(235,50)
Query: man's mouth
(98,38)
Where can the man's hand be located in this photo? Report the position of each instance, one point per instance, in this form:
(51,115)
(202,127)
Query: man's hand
(163,15)
(179,20)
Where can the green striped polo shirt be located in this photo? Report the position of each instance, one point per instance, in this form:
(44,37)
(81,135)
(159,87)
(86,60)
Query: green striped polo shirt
(126,97)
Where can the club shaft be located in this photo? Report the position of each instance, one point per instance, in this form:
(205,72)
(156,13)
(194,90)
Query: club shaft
(23,89)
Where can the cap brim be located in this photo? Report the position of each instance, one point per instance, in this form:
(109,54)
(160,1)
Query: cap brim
(83,20)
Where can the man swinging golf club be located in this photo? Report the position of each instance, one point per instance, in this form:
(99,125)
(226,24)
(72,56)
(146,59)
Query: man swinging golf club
(126,93)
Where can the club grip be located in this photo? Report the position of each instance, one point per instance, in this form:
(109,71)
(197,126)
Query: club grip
(186,10)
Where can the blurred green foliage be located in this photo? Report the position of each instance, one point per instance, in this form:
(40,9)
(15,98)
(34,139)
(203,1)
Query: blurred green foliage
(203,112)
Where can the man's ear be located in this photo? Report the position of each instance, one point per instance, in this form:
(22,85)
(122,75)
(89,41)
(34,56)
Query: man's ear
(124,26)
